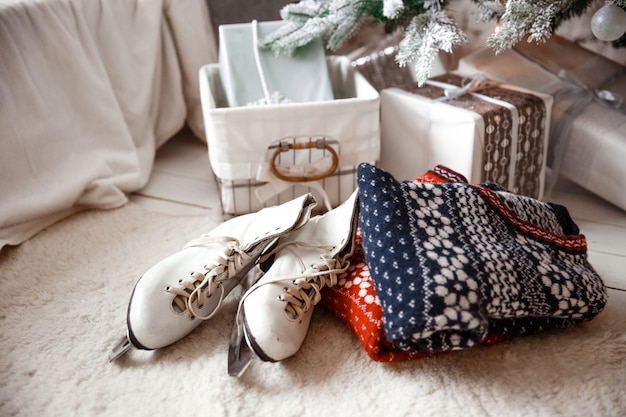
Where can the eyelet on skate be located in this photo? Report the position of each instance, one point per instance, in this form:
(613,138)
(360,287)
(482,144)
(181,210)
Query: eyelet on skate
(291,318)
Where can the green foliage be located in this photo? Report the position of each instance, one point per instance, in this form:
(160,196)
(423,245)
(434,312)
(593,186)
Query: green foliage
(424,37)
(427,28)
(334,21)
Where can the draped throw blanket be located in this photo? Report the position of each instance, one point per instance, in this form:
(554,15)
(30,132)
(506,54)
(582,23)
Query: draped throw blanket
(88,91)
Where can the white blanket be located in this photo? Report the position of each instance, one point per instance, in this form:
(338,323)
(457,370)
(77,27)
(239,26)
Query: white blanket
(88,91)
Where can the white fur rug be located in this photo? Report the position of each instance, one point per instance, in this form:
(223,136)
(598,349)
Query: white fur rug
(64,298)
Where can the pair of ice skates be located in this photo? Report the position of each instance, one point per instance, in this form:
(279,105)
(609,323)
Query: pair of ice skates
(297,254)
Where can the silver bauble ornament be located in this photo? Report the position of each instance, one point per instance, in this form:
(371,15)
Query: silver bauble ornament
(609,23)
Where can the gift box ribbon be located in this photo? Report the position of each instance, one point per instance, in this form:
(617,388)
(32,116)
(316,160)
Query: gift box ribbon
(513,148)
(574,95)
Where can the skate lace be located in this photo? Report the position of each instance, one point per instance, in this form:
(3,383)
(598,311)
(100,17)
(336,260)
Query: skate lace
(199,286)
(307,291)
(307,286)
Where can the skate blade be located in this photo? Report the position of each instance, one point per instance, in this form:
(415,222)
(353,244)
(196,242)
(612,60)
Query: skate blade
(240,355)
(121,348)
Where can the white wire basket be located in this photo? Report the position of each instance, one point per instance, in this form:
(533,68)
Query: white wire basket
(265,155)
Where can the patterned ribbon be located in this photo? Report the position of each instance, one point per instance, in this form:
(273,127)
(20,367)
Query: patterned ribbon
(513,143)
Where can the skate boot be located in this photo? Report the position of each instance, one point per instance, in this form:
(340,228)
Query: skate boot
(274,314)
(178,293)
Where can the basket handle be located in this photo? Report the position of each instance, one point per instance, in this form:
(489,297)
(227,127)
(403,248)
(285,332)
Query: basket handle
(284,147)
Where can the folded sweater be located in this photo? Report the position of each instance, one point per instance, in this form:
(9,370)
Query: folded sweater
(454,262)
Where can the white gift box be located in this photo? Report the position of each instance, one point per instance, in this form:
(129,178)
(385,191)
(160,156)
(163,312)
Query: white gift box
(483,138)
(266,155)
(593,151)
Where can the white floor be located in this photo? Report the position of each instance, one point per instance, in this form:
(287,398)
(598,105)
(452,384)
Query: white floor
(182,183)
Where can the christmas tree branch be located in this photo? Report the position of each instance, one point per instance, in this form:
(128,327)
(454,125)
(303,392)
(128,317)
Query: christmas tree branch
(427,28)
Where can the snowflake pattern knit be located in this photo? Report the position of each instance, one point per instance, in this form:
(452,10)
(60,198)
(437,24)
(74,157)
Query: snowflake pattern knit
(355,302)
(451,262)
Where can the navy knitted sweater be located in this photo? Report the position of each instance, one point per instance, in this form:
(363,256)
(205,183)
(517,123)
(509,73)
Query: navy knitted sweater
(452,262)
